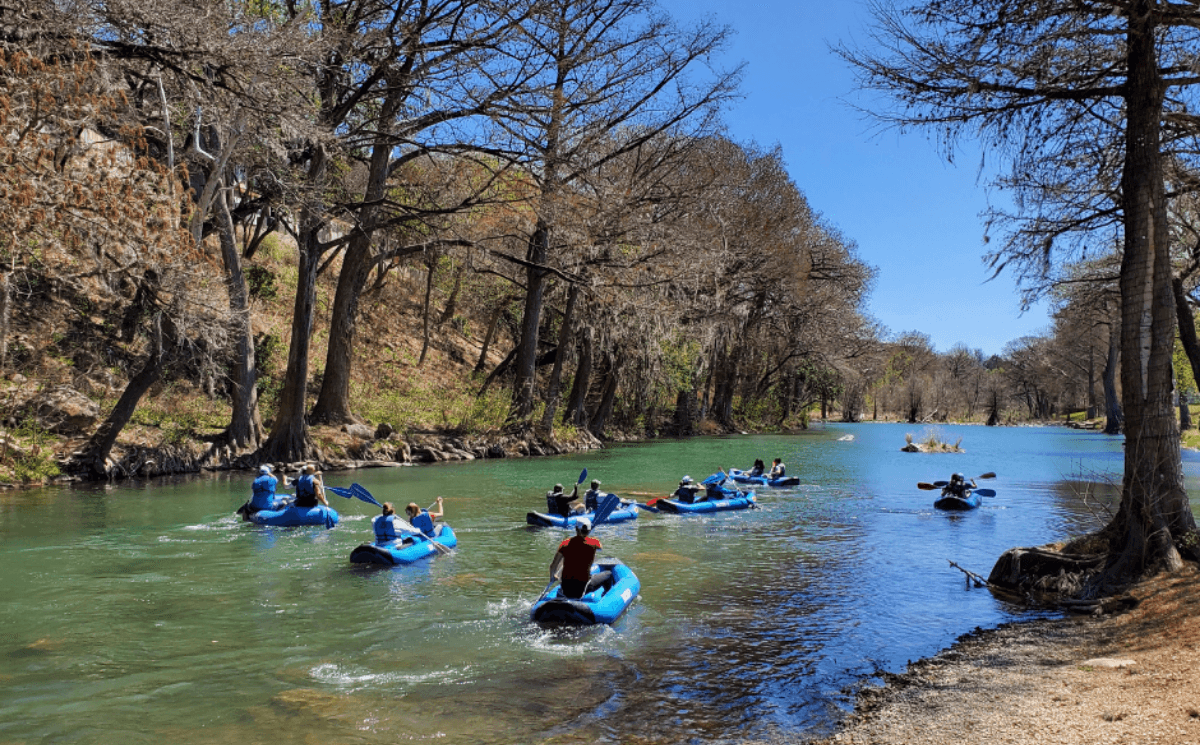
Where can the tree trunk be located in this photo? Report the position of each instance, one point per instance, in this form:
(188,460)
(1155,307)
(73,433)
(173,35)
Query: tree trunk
(5,315)
(525,380)
(560,360)
(575,412)
(432,266)
(1114,417)
(1091,406)
(333,402)
(245,427)
(100,445)
(1154,507)
(1187,327)
(600,419)
(289,440)
(487,338)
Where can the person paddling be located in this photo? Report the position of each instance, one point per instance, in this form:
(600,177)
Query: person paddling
(778,470)
(958,486)
(575,556)
(385,525)
(559,503)
(310,490)
(263,492)
(591,497)
(421,519)
(687,490)
(758,468)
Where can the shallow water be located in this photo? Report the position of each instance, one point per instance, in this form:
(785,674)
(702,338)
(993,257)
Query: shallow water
(150,614)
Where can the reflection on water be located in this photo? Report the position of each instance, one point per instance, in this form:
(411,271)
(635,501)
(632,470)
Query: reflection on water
(151,614)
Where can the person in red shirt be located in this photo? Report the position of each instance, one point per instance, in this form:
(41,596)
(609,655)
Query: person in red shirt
(574,559)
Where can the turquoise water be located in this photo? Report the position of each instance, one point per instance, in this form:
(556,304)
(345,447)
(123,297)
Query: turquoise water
(149,613)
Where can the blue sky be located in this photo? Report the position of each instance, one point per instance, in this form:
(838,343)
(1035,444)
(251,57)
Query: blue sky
(915,217)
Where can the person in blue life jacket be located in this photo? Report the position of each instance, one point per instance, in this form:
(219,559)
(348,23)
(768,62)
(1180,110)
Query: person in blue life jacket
(385,525)
(262,493)
(778,470)
(688,491)
(422,520)
(310,489)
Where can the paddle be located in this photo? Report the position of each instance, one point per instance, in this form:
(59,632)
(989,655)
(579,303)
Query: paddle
(555,573)
(939,484)
(605,508)
(984,492)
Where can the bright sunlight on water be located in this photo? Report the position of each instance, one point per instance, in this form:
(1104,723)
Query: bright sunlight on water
(149,613)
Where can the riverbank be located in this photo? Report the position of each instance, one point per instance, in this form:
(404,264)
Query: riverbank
(1128,677)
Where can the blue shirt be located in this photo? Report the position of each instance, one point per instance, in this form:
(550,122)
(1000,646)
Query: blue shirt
(263,488)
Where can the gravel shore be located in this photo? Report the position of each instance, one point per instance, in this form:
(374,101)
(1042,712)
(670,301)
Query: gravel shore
(1131,677)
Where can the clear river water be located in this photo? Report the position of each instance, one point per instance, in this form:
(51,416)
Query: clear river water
(149,614)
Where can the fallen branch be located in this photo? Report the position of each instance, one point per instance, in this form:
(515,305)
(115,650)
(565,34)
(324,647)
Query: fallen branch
(979,581)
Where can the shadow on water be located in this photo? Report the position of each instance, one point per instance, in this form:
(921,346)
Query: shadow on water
(151,613)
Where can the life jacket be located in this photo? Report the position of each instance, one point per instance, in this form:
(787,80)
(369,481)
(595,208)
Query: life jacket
(385,528)
(779,471)
(263,492)
(686,494)
(306,491)
(591,499)
(423,522)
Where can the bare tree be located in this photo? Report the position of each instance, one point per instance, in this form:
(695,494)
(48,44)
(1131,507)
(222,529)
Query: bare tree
(1029,76)
(612,76)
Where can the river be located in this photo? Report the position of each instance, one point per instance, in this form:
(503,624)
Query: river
(148,613)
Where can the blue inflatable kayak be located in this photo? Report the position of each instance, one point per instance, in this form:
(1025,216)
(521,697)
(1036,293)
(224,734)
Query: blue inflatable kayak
(742,477)
(542,520)
(736,502)
(605,604)
(405,550)
(968,501)
(292,515)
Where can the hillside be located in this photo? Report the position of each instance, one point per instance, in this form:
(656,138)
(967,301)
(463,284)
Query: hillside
(70,355)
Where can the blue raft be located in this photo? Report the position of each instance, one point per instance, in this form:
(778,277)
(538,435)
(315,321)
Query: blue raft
(543,520)
(735,502)
(605,604)
(742,477)
(293,515)
(404,550)
(969,501)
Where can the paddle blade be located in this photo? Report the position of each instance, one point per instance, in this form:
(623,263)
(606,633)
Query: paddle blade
(716,478)
(341,491)
(582,476)
(606,507)
(358,491)
(988,475)
(925,485)
(985,492)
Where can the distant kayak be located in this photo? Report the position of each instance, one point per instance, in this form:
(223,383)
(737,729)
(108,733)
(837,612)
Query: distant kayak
(742,477)
(293,516)
(545,520)
(403,550)
(602,605)
(739,502)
